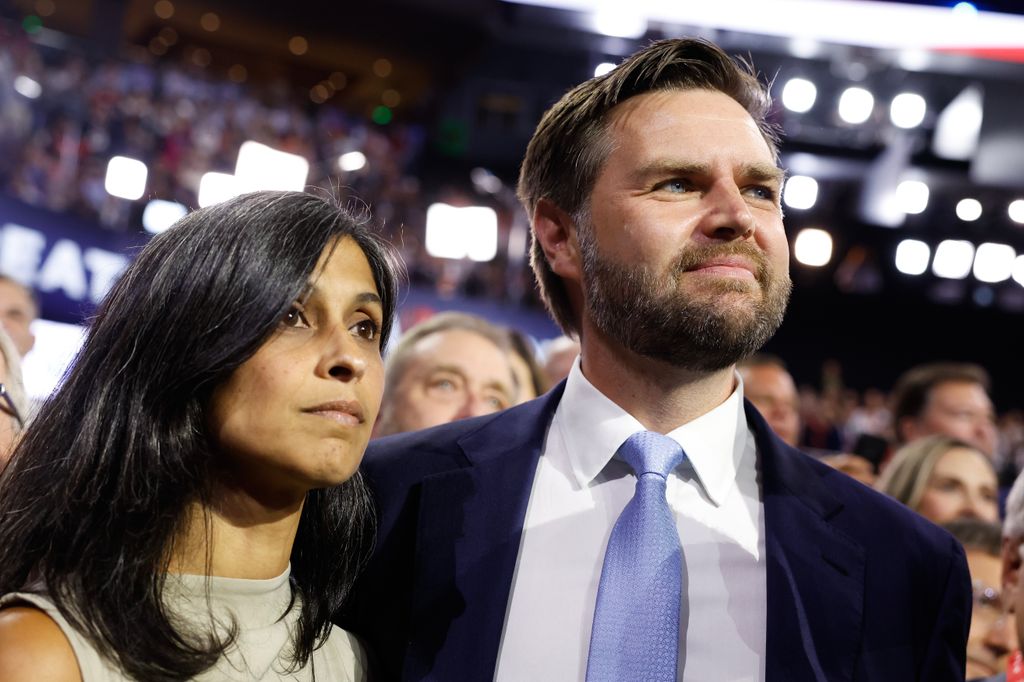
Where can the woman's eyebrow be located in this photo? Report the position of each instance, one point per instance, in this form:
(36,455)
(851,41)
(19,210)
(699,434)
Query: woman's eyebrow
(368,297)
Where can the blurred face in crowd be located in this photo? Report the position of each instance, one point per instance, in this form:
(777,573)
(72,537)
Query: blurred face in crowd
(17,311)
(772,391)
(297,415)
(1013,593)
(560,358)
(449,375)
(993,632)
(684,257)
(962,485)
(8,423)
(958,409)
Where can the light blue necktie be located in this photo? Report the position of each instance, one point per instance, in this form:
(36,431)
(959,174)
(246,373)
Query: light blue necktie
(636,620)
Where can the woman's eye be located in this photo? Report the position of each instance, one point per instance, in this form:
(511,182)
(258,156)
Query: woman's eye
(366,329)
(295,317)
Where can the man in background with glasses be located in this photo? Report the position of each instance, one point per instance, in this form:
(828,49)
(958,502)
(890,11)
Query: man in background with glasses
(1013,592)
(992,636)
(18,310)
(13,404)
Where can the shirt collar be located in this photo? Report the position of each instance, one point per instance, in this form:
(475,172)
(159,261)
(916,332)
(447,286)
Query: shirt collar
(593,428)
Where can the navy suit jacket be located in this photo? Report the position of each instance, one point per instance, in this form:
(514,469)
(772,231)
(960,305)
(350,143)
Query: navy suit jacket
(858,587)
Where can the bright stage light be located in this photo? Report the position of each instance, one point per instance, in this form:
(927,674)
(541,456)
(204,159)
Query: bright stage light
(351,161)
(856,105)
(217,187)
(159,215)
(912,257)
(968,210)
(953,259)
(261,167)
(799,94)
(126,178)
(1016,211)
(907,110)
(800,192)
(462,232)
(994,262)
(813,247)
(912,196)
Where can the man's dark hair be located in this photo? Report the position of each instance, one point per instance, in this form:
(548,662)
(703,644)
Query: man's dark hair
(914,387)
(570,144)
(99,487)
(977,534)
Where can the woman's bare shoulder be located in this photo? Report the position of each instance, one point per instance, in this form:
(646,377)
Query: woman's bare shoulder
(33,647)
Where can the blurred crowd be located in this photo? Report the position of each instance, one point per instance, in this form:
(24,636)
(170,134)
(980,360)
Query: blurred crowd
(64,114)
(182,122)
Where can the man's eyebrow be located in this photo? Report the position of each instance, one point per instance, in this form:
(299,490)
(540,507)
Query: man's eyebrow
(450,369)
(660,167)
(758,172)
(763,172)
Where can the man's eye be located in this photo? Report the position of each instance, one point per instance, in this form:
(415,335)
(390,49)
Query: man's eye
(497,401)
(366,329)
(443,385)
(763,192)
(295,318)
(675,186)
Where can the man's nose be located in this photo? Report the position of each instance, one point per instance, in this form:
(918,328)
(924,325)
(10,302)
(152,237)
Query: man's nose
(728,215)
(473,405)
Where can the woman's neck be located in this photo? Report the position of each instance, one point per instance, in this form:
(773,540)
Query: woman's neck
(240,536)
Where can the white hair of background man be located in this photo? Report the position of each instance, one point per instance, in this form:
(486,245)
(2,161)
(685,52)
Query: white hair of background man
(1013,526)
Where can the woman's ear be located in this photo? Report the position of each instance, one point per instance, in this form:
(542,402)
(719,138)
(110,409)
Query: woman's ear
(555,230)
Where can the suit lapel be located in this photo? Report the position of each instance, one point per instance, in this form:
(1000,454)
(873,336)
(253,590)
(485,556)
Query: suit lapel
(469,529)
(815,573)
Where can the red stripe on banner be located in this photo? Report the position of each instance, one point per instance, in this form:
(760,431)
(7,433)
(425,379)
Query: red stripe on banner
(999,54)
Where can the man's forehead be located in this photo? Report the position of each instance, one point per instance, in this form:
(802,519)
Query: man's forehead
(959,391)
(675,105)
(711,120)
(448,339)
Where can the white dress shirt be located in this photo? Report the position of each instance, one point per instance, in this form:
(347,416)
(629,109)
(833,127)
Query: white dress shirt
(578,493)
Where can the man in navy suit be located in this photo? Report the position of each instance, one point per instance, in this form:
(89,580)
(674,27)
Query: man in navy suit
(653,193)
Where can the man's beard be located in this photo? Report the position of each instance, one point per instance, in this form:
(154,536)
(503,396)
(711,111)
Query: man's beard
(651,316)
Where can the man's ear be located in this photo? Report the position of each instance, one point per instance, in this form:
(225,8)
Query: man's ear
(1011,570)
(556,232)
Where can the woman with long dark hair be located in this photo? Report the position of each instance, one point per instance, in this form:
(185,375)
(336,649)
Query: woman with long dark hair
(188,505)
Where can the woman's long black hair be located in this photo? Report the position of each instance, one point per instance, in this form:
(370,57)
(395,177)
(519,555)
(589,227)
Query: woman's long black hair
(98,490)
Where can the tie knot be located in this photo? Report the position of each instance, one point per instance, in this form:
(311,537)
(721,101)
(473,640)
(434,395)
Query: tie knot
(650,452)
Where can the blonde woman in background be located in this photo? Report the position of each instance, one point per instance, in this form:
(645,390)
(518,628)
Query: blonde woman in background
(943,479)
